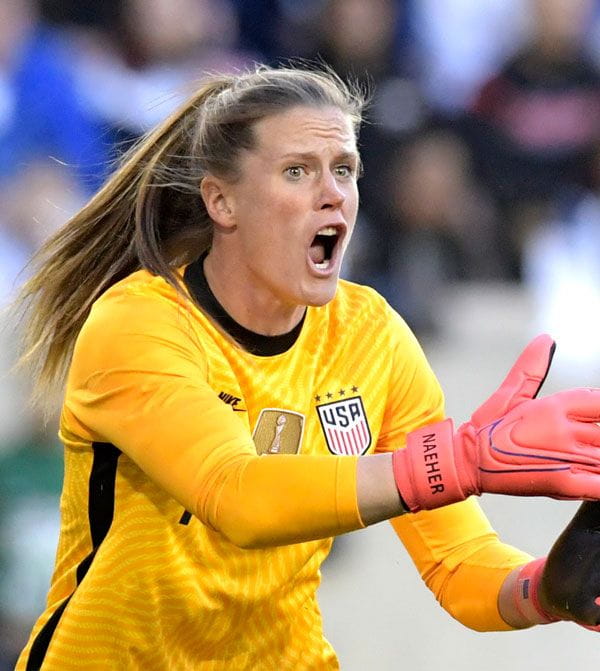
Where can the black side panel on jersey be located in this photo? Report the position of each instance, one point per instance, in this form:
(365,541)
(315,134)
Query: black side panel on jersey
(101,506)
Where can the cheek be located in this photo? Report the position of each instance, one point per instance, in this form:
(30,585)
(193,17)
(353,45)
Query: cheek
(272,204)
(284,216)
(351,207)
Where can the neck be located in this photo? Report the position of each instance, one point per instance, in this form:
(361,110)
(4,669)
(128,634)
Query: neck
(256,311)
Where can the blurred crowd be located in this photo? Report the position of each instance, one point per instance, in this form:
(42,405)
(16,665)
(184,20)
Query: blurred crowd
(481,160)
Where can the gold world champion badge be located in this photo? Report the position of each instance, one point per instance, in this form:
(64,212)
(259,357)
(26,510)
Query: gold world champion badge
(278,431)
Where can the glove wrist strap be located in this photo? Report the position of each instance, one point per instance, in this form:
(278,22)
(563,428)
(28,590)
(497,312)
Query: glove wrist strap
(425,471)
(526,593)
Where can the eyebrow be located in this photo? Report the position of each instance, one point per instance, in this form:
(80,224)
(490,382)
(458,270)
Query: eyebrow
(308,155)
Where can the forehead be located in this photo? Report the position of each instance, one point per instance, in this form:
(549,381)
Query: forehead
(298,128)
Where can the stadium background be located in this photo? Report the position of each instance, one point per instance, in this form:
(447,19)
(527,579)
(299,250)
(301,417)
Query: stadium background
(480,222)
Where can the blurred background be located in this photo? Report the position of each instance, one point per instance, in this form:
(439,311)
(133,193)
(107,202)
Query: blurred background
(479,222)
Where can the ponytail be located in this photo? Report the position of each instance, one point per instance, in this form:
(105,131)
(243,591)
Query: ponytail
(138,219)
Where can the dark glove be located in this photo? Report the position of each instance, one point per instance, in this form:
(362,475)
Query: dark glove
(570,583)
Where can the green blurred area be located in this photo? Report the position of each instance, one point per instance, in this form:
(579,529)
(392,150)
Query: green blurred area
(31,475)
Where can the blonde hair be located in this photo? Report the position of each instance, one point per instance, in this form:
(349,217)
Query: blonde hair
(149,213)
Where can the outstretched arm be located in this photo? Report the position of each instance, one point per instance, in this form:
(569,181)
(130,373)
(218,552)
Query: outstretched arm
(145,389)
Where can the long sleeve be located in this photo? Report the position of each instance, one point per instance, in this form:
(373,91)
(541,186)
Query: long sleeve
(139,381)
(461,560)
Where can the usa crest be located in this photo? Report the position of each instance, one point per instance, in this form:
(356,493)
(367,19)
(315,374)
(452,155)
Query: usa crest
(345,426)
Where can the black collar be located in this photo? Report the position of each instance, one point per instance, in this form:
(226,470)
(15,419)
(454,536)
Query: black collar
(255,343)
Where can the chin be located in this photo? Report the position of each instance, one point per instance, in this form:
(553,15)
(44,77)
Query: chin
(320,297)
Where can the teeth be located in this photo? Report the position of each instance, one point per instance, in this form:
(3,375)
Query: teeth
(323,265)
(328,230)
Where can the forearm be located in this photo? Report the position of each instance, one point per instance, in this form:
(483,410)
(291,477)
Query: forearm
(475,592)
(377,493)
(507,603)
(462,561)
(280,499)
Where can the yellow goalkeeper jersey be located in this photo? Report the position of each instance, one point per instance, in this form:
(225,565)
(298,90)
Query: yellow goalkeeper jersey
(200,457)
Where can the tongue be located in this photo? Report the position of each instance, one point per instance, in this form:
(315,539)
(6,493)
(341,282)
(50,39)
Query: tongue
(317,253)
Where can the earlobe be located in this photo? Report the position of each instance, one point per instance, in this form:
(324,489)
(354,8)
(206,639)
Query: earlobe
(215,199)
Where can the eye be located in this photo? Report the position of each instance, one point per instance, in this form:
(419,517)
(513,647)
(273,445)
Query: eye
(344,170)
(294,171)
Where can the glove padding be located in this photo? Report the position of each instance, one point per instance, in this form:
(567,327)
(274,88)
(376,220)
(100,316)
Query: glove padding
(513,444)
(569,585)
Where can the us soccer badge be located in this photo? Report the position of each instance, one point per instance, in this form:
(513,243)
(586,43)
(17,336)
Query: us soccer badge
(278,431)
(345,426)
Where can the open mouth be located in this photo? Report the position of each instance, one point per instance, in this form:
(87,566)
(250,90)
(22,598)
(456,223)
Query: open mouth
(323,246)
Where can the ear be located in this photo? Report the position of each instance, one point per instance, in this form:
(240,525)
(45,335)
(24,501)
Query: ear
(214,193)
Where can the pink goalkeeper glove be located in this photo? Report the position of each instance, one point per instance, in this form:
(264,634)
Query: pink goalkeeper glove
(513,444)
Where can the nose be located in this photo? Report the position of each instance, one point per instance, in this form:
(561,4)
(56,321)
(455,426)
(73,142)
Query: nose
(331,195)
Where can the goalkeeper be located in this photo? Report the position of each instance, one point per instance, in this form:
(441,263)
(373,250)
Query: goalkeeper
(231,405)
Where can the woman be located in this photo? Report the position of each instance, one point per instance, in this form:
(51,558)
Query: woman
(226,394)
